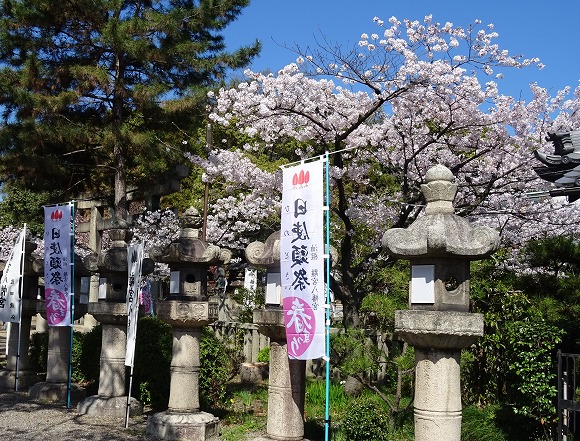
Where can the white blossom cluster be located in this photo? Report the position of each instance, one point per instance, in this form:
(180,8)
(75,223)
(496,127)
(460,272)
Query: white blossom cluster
(418,94)
(156,229)
(8,236)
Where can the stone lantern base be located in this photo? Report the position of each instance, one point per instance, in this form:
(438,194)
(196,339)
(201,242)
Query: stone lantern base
(184,426)
(56,392)
(26,378)
(438,337)
(98,405)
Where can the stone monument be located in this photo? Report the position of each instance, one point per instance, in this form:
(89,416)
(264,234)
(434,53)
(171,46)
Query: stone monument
(187,310)
(440,246)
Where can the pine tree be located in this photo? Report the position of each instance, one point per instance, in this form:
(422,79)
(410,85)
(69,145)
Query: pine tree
(93,91)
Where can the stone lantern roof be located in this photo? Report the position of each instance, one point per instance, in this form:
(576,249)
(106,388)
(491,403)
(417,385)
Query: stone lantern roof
(440,232)
(190,248)
(265,254)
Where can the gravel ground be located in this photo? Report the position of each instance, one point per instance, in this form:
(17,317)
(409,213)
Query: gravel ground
(25,419)
(22,418)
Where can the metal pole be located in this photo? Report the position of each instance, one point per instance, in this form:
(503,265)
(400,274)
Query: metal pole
(20,293)
(128,408)
(327,409)
(71,300)
(208,142)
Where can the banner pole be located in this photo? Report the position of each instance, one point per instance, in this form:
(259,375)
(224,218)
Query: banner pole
(20,288)
(132,314)
(71,300)
(128,408)
(328,263)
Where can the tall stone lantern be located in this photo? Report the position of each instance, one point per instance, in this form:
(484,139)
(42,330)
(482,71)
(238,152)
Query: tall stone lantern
(440,246)
(287,377)
(187,310)
(111,311)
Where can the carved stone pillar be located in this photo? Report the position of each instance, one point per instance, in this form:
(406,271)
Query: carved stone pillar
(287,380)
(287,377)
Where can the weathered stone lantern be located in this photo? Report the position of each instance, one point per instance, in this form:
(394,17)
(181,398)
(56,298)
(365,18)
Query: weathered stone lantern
(287,377)
(439,246)
(26,376)
(111,311)
(187,310)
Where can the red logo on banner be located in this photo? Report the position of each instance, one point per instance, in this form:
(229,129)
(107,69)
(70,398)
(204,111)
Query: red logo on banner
(301,178)
(56,215)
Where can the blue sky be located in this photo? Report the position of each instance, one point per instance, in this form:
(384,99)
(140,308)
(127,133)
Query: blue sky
(535,28)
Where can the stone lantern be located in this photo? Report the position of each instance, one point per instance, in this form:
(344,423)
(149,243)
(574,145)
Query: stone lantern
(440,246)
(111,311)
(25,375)
(187,310)
(287,377)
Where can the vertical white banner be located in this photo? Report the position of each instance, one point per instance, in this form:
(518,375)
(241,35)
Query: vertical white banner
(302,260)
(11,283)
(57,264)
(251,279)
(134,263)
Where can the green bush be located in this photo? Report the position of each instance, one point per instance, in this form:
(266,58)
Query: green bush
(366,421)
(217,367)
(151,372)
(513,362)
(88,365)
(38,351)
(264,355)
(479,424)
(500,423)
(77,348)
(353,353)
(248,301)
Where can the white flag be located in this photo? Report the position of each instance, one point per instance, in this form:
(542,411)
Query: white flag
(302,260)
(134,263)
(11,283)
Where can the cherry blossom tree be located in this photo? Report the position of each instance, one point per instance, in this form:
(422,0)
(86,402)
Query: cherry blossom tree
(410,95)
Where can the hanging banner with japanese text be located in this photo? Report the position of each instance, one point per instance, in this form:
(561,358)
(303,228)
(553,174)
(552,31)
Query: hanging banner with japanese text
(134,263)
(11,283)
(57,264)
(302,260)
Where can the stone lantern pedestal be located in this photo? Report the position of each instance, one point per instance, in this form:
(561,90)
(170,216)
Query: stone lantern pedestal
(438,324)
(187,310)
(111,399)
(111,312)
(183,419)
(287,377)
(25,374)
(287,380)
(438,337)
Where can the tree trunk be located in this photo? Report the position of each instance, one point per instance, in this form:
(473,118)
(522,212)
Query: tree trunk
(119,152)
